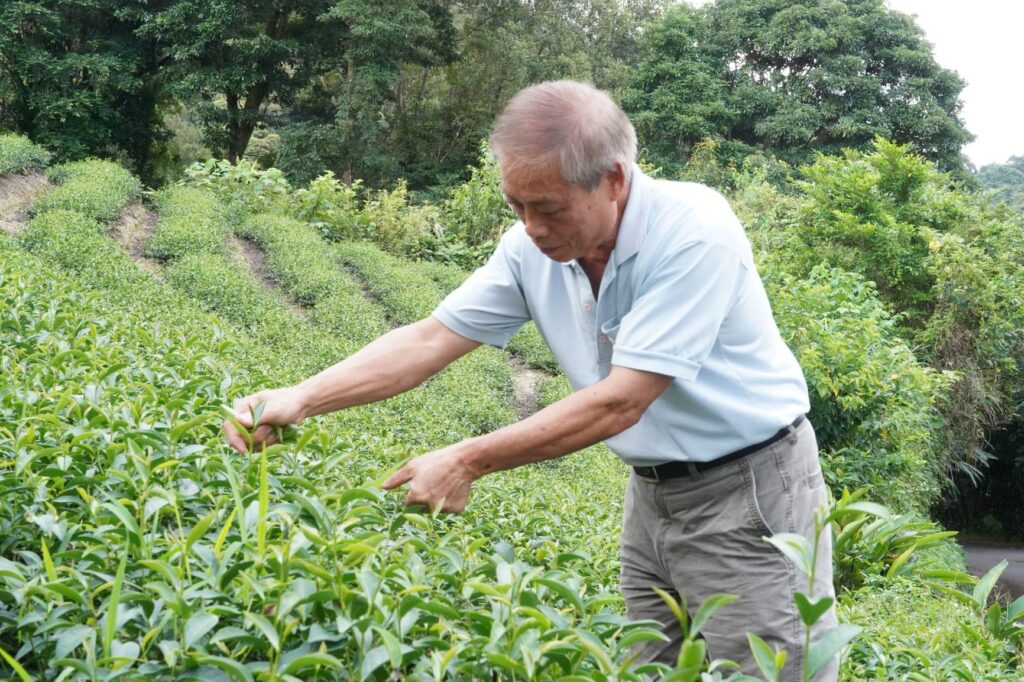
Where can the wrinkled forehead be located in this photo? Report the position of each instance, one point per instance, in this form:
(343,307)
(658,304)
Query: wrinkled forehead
(533,182)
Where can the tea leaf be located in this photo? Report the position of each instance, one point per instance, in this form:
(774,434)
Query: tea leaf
(828,645)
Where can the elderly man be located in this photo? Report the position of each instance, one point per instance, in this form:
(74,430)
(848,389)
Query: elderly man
(647,294)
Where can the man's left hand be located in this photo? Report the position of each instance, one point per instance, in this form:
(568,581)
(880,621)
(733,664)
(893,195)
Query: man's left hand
(436,478)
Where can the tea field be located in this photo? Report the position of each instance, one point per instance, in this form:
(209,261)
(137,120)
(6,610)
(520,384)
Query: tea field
(135,545)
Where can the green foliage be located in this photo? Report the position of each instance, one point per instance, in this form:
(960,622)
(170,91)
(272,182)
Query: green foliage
(77,78)
(1005,181)
(331,207)
(191,220)
(398,225)
(948,264)
(96,188)
(409,295)
(913,632)
(552,390)
(256,190)
(526,345)
(873,405)
(792,78)
(226,288)
(869,540)
(477,215)
(803,552)
(999,621)
(306,268)
(18,154)
(169,516)
(865,213)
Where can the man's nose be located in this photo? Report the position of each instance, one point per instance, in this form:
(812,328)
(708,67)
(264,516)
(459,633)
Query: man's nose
(536,227)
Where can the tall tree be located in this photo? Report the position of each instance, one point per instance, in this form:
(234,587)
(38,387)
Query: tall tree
(76,77)
(793,77)
(235,59)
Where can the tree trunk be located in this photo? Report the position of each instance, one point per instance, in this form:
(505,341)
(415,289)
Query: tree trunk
(242,121)
(229,150)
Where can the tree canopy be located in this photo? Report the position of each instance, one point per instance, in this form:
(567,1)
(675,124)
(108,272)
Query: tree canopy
(793,78)
(1006,180)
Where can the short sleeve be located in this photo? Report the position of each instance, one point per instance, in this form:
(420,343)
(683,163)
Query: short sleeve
(489,307)
(678,310)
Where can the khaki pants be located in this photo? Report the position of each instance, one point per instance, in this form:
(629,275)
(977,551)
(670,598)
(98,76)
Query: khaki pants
(700,536)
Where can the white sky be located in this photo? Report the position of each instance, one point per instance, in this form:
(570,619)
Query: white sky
(980,40)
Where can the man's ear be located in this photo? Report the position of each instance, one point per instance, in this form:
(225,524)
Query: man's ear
(616,178)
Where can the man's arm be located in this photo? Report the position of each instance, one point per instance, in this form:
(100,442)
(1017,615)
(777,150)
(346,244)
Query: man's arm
(397,361)
(577,421)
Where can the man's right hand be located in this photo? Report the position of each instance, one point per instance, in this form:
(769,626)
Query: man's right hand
(282,406)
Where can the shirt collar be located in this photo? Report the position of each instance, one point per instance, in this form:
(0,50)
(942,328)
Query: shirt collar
(631,228)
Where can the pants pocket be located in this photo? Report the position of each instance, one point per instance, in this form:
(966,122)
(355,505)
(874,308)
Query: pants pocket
(768,494)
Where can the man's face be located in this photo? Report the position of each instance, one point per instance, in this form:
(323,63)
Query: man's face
(565,222)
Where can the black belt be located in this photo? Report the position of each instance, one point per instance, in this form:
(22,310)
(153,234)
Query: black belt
(668,470)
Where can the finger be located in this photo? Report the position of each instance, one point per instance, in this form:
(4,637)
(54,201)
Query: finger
(234,438)
(264,435)
(400,477)
(416,503)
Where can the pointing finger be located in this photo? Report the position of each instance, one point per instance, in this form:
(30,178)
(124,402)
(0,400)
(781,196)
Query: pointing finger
(400,477)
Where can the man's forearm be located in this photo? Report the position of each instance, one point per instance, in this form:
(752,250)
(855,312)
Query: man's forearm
(397,361)
(573,423)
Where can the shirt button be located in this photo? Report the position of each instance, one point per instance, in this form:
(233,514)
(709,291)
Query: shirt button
(602,339)
(586,307)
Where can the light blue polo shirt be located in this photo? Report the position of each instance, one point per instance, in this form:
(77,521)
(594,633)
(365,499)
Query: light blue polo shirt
(680,296)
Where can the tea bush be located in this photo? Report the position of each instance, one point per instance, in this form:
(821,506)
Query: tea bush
(135,542)
(306,268)
(911,632)
(191,221)
(18,154)
(96,188)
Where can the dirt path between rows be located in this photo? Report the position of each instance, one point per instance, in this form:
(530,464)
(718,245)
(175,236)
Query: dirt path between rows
(246,252)
(17,194)
(132,231)
(526,383)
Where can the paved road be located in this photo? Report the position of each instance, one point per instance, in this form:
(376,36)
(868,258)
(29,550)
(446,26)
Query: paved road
(981,556)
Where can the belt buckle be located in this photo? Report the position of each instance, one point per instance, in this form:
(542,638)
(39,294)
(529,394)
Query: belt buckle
(649,472)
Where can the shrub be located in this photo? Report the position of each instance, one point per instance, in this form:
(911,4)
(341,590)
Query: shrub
(96,188)
(191,221)
(332,208)
(18,154)
(397,225)
(873,405)
(945,261)
(257,190)
(477,213)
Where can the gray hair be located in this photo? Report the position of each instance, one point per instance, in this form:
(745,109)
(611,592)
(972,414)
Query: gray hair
(567,123)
